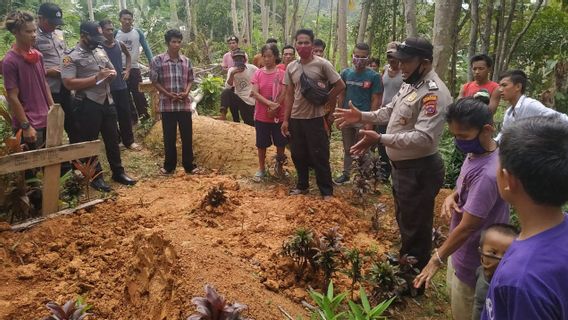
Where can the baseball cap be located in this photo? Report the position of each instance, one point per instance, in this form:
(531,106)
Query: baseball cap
(93,29)
(414,47)
(238,52)
(51,12)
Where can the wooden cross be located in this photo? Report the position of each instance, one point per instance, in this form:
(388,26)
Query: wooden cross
(50,158)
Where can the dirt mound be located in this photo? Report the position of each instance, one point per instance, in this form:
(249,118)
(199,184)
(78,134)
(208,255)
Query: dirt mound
(226,146)
(150,276)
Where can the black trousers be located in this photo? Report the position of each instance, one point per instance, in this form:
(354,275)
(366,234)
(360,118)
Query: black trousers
(63,97)
(236,105)
(415,184)
(138,104)
(383,153)
(309,145)
(122,105)
(170,122)
(94,119)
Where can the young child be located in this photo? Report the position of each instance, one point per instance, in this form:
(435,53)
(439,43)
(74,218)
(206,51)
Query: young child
(268,89)
(494,242)
(531,280)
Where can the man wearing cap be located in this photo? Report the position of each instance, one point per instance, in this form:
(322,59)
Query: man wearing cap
(415,119)
(238,93)
(51,44)
(87,70)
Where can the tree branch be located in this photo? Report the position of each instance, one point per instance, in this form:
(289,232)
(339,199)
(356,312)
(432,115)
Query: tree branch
(521,34)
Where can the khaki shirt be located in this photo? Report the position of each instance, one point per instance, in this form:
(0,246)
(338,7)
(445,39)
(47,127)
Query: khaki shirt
(52,46)
(82,63)
(415,117)
(318,69)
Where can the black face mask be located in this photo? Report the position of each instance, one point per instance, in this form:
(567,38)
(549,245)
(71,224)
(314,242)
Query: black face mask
(92,45)
(415,76)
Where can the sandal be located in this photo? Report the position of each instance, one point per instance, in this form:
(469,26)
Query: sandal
(165,172)
(134,147)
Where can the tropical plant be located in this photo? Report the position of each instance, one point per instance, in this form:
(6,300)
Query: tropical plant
(379,209)
(355,260)
(215,307)
(367,173)
(300,247)
(215,197)
(71,310)
(88,172)
(385,281)
(71,188)
(364,311)
(328,304)
(211,86)
(328,254)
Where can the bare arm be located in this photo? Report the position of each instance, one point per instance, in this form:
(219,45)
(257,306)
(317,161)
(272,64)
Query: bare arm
(289,103)
(462,92)
(49,96)
(18,112)
(80,83)
(128,60)
(494,101)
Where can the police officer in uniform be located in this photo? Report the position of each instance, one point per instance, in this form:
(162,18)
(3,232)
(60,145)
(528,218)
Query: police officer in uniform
(415,120)
(87,70)
(51,44)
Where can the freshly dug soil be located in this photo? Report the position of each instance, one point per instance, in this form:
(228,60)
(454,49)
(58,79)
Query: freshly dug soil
(223,145)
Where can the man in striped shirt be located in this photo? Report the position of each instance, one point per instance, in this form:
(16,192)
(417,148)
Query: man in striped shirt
(172,74)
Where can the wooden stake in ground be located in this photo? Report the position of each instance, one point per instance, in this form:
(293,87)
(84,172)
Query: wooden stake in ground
(54,138)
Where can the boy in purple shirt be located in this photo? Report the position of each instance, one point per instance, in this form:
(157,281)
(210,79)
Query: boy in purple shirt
(474,205)
(27,90)
(531,282)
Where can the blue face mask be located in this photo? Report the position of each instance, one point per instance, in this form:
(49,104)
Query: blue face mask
(470,146)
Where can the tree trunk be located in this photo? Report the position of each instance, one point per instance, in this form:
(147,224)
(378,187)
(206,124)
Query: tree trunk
(342,34)
(316,29)
(251,20)
(394,14)
(445,21)
(174,19)
(303,15)
(410,18)
(246,26)
(264,18)
(188,20)
(330,28)
(274,19)
(504,34)
(486,38)
(336,34)
(285,23)
(90,8)
(474,9)
(294,20)
(235,17)
(517,39)
(366,7)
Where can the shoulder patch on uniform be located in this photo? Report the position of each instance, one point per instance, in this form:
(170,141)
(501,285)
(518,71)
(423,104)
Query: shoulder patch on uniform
(432,85)
(67,60)
(430,104)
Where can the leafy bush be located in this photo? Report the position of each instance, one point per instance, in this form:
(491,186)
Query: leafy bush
(300,247)
(453,159)
(211,88)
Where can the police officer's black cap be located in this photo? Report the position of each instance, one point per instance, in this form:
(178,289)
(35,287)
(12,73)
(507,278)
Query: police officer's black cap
(414,47)
(93,29)
(51,12)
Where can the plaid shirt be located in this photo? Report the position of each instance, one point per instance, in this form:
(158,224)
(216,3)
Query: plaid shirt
(174,75)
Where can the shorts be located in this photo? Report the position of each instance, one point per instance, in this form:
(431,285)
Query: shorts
(268,134)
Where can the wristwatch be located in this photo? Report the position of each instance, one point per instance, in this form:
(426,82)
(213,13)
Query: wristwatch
(25,125)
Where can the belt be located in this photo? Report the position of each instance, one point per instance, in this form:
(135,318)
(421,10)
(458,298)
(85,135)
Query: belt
(413,163)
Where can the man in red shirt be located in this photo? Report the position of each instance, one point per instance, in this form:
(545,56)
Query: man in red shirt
(481,65)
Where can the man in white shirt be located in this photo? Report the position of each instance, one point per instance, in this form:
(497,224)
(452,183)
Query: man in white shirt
(512,85)
(238,78)
(134,38)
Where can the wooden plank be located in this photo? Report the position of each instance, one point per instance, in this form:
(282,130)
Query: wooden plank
(54,138)
(33,222)
(45,157)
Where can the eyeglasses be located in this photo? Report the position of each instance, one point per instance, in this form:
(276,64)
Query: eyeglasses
(489,255)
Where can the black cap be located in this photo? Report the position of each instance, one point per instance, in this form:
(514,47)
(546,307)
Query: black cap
(51,12)
(414,47)
(93,29)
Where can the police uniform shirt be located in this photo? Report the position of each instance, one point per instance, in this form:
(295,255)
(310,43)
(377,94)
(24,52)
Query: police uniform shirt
(81,63)
(52,46)
(415,117)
